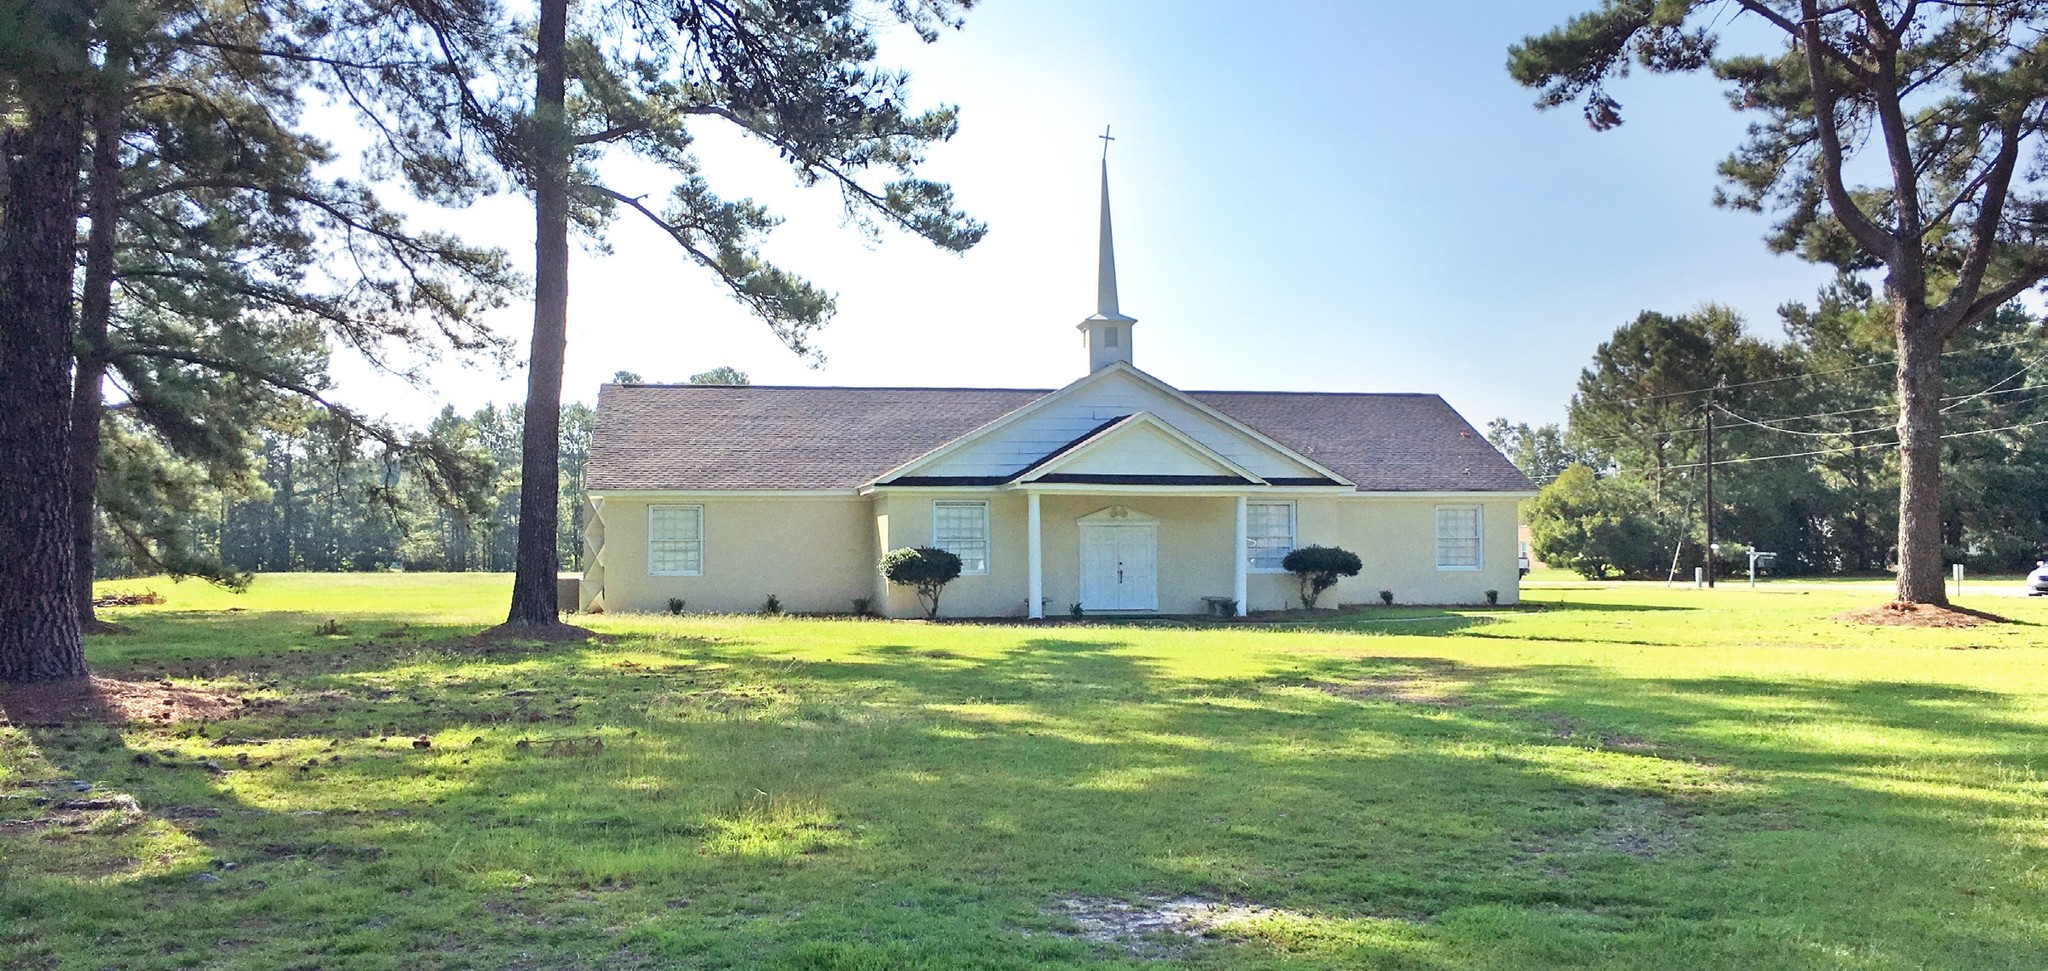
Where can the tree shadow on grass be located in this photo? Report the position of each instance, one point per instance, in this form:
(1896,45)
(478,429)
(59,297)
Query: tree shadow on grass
(924,804)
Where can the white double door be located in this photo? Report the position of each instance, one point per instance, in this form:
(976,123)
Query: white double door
(1119,567)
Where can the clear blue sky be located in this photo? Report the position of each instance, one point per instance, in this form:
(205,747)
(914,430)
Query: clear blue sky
(1341,196)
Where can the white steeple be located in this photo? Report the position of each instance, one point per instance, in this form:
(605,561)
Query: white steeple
(1106,334)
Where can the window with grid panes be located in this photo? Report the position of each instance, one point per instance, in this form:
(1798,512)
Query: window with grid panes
(675,541)
(1268,534)
(1457,537)
(961,528)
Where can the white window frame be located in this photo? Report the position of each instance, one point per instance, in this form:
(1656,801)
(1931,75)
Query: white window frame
(988,545)
(698,509)
(1478,537)
(1293,534)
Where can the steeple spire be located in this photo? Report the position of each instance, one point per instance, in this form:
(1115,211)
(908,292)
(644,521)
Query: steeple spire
(1105,278)
(1107,334)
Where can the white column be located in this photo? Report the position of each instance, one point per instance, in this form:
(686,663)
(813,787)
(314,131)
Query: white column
(1036,555)
(1238,567)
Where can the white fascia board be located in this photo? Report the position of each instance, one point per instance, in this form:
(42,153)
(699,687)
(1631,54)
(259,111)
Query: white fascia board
(957,492)
(724,493)
(1150,420)
(1249,490)
(1467,496)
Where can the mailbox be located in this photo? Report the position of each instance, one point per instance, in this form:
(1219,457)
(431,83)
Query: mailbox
(1767,561)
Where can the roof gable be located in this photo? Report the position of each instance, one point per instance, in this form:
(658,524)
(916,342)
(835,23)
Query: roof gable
(1140,445)
(1057,421)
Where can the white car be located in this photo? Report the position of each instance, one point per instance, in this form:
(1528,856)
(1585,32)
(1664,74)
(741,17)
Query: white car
(2037,581)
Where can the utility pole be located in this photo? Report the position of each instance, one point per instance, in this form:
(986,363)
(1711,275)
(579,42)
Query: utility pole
(1709,505)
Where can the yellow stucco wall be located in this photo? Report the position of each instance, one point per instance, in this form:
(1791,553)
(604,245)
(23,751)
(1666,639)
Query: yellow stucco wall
(1001,593)
(817,554)
(1396,539)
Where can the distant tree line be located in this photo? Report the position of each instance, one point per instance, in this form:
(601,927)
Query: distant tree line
(313,493)
(1804,440)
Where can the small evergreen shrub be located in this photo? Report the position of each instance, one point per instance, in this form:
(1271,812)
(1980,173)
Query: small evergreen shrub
(863,606)
(675,606)
(1318,568)
(1493,598)
(1074,610)
(1387,597)
(925,569)
(771,606)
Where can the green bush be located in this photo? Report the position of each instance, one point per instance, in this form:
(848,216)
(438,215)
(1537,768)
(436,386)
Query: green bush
(1318,568)
(924,568)
(675,605)
(1595,527)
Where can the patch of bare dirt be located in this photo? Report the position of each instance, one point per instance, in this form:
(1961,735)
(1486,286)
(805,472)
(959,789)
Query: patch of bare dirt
(1899,613)
(113,701)
(1403,689)
(1154,928)
(518,634)
(1647,829)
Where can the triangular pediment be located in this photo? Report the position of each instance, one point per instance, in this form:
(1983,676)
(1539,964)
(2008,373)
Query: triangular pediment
(1058,424)
(1140,445)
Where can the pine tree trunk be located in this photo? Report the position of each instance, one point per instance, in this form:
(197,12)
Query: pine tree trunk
(1920,545)
(39,635)
(96,304)
(533,580)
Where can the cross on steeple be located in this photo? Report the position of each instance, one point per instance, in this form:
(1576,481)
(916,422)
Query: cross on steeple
(1106,139)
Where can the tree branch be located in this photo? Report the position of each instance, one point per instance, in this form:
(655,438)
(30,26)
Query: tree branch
(1984,232)
(1860,226)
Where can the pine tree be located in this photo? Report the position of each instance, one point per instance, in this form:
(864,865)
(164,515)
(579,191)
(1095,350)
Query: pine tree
(1945,100)
(45,66)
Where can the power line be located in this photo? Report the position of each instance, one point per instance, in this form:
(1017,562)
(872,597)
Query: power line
(1994,388)
(1795,431)
(1831,451)
(1853,448)
(1955,401)
(1812,374)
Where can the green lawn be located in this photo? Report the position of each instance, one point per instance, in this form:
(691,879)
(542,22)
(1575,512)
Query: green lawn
(1628,777)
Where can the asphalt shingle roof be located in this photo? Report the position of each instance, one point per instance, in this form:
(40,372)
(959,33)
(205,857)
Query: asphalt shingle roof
(1382,442)
(723,437)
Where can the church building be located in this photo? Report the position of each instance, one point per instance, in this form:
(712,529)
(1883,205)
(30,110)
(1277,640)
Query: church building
(1119,493)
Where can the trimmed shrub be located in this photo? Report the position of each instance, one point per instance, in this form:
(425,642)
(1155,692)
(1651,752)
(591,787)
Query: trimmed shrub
(1386,598)
(1318,568)
(771,606)
(675,606)
(863,606)
(925,569)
